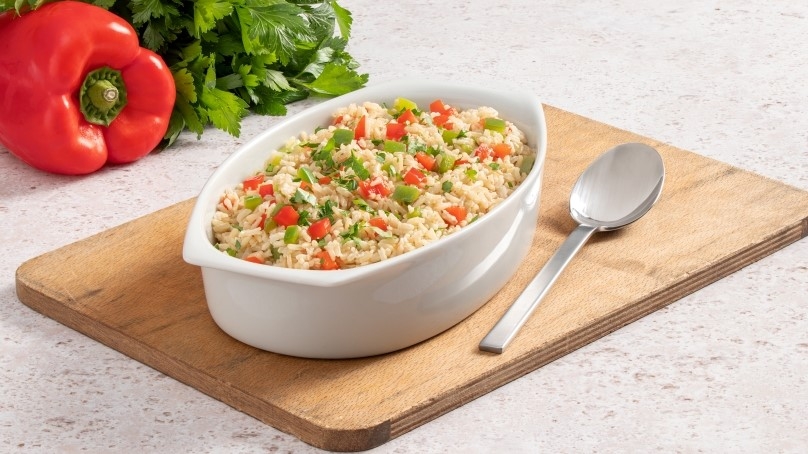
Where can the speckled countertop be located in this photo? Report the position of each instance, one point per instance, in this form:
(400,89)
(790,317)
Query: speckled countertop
(723,369)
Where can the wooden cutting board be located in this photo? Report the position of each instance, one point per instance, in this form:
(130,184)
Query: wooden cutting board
(129,288)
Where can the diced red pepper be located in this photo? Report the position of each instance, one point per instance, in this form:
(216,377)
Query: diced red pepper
(460,162)
(483,152)
(251,184)
(320,228)
(407,117)
(458,212)
(263,221)
(266,189)
(286,216)
(502,150)
(326,262)
(414,177)
(379,223)
(395,131)
(439,107)
(255,259)
(324,180)
(369,187)
(442,120)
(338,120)
(359,131)
(426,160)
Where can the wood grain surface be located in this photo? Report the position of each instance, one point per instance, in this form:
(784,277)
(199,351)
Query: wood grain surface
(129,288)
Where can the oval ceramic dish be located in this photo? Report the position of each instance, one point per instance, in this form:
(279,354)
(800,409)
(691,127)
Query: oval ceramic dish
(384,306)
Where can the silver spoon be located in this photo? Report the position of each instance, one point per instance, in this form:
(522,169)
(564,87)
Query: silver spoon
(615,190)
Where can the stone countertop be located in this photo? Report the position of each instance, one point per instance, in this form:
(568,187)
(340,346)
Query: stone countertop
(723,369)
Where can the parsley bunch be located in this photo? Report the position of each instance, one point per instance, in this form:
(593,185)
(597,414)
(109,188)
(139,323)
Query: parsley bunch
(232,57)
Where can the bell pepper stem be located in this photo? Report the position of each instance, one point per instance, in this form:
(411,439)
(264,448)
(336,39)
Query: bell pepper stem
(102,96)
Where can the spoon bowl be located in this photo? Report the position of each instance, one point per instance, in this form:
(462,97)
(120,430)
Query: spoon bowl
(618,188)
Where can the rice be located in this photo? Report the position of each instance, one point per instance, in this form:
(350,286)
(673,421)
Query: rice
(377,183)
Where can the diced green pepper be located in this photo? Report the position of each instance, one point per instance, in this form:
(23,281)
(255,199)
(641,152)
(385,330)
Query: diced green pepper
(466,147)
(274,161)
(252,201)
(291,234)
(342,136)
(444,163)
(394,146)
(269,225)
(415,213)
(449,136)
(405,194)
(403,103)
(527,164)
(495,124)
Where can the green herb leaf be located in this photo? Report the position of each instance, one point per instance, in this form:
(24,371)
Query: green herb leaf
(302,196)
(347,183)
(225,110)
(303,218)
(337,80)
(344,19)
(208,12)
(326,210)
(362,205)
(306,175)
(352,232)
(355,164)
(342,137)
(277,27)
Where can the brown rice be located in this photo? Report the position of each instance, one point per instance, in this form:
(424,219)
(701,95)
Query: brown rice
(469,160)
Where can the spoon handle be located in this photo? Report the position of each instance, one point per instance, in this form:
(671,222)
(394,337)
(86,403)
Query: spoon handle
(506,328)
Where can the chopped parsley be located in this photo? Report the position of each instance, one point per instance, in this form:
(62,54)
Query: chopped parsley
(302,196)
(358,168)
(326,210)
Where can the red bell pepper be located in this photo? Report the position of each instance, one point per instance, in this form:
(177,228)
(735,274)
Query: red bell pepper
(286,216)
(77,90)
(395,131)
(320,228)
(367,188)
